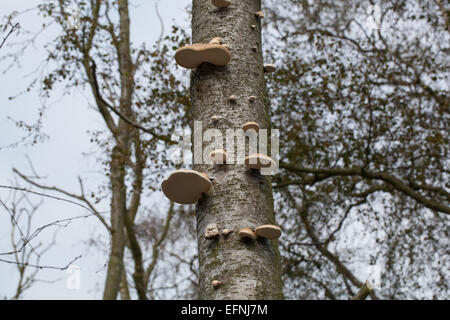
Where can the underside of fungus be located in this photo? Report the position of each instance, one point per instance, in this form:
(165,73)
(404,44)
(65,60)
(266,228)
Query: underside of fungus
(268,231)
(259,161)
(269,68)
(221,3)
(192,55)
(185,186)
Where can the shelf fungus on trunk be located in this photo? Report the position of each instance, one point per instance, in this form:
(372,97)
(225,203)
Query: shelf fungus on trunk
(193,55)
(186,186)
(221,3)
(259,14)
(226,232)
(232,98)
(250,126)
(269,68)
(218,156)
(216,283)
(259,161)
(212,231)
(247,233)
(268,231)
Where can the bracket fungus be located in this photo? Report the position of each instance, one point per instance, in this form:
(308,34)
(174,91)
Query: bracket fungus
(215,118)
(216,40)
(216,283)
(268,231)
(211,231)
(218,156)
(186,186)
(226,232)
(221,3)
(259,14)
(258,161)
(247,233)
(252,99)
(232,98)
(193,55)
(250,125)
(269,68)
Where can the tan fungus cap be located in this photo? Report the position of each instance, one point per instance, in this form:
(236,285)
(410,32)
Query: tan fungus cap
(258,161)
(268,231)
(192,55)
(185,186)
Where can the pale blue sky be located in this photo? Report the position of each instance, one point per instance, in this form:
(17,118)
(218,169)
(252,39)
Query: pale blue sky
(61,157)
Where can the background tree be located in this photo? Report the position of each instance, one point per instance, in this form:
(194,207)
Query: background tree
(132,87)
(363,102)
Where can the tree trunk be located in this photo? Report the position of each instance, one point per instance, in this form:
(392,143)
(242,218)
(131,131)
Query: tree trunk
(240,197)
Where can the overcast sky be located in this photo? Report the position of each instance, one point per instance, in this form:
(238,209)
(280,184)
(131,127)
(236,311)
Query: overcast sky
(61,158)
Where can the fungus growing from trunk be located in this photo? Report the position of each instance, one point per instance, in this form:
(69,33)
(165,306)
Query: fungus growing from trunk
(259,161)
(250,125)
(185,186)
(218,156)
(216,40)
(221,3)
(252,99)
(268,231)
(232,98)
(216,283)
(215,118)
(259,14)
(269,68)
(211,231)
(247,233)
(193,55)
(226,232)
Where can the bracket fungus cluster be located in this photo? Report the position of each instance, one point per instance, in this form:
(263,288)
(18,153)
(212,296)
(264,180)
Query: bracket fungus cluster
(257,160)
(212,231)
(267,231)
(193,55)
(186,186)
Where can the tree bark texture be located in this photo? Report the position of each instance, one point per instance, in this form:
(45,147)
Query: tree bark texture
(240,197)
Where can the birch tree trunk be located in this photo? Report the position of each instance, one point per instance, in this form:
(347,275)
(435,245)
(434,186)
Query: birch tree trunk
(240,197)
